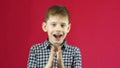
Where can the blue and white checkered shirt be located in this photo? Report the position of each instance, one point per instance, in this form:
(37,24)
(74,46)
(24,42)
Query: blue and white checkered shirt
(39,55)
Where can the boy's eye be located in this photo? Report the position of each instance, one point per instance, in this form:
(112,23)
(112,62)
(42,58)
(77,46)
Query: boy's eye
(53,24)
(62,25)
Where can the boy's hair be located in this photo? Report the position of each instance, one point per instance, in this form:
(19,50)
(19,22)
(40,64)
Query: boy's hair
(57,10)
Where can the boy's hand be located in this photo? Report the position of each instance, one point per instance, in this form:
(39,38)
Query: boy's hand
(59,57)
(58,51)
(53,50)
(51,58)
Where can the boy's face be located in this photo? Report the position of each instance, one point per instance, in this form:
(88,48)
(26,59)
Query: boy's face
(57,27)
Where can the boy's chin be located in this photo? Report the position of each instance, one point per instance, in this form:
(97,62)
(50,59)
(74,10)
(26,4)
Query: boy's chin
(57,43)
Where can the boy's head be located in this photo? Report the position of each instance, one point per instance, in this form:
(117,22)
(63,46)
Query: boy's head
(56,24)
(57,10)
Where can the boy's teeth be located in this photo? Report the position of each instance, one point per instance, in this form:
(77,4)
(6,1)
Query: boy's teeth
(57,36)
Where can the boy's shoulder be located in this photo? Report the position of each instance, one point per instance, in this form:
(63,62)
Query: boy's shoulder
(72,47)
(37,46)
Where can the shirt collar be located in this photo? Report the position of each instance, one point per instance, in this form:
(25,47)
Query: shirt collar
(47,44)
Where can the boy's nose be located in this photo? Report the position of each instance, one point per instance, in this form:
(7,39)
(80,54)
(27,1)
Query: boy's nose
(58,28)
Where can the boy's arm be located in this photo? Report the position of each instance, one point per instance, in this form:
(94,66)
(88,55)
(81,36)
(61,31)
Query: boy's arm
(32,58)
(77,62)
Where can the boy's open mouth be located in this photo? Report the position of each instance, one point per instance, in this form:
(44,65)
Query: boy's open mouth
(57,36)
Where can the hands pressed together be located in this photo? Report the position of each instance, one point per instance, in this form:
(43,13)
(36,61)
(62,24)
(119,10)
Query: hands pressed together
(58,52)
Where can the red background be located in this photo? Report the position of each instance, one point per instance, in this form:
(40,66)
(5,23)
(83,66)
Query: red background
(95,29)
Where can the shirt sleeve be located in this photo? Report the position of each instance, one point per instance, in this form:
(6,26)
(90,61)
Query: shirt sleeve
(32,58)
(77,61)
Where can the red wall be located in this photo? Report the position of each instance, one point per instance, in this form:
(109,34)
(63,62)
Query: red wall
(95,29)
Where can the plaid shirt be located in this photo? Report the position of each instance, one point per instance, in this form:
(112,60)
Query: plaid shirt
(39,55)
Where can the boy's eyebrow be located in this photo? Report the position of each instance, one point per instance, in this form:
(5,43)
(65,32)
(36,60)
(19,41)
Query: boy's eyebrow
(53,22)
(63,23)
(59,23)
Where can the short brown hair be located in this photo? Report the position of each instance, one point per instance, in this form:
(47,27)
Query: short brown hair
(57,10)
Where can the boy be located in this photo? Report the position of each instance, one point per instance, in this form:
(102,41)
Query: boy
(55,52)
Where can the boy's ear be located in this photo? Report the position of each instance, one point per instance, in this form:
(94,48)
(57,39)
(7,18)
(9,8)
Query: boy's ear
(44,26)
(69,27)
